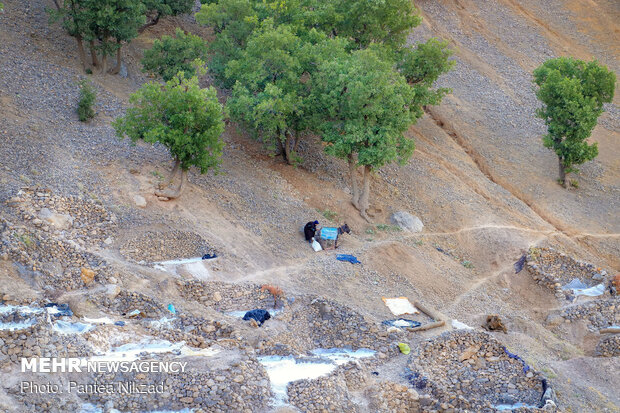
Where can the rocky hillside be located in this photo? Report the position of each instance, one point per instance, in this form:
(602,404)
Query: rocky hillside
(92,264)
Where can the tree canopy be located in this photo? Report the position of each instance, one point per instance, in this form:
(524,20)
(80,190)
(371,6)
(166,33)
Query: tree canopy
(364,108)
(337,68)
(184,118)
(108,24)
(573,93)
(170,55)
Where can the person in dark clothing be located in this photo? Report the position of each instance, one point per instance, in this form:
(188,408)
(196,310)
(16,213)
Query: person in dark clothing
(310,230)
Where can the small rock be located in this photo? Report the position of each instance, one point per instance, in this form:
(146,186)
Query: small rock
(239,378)
(469,352)
(87,275)
(139,201)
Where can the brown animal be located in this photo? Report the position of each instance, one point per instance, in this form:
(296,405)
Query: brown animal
(494,323)
(617,281)
(275,291)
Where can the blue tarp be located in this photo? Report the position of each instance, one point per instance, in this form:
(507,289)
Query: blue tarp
(329,233)
(519,264)
(514,356)
(350,258)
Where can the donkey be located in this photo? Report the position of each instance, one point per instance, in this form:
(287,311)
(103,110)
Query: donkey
(343,229)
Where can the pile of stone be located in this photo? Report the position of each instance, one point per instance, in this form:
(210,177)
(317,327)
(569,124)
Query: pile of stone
(53,237)
(195,331)
(132,304)
(470,370)
(327,393)
(157,246)
(241,386)
(81,219)
(388,397)
(36,337)
(554,269)
(598,313)
(608,346)
(226,297)
(314,322)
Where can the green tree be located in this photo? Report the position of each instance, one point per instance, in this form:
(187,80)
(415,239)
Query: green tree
(232,21)
(266,96)
(112,23)
(572,92)
(73,15)
(184,118)
(156,9)
(272,87)
(170,55)
(364,109)
(387,21)
(422,66)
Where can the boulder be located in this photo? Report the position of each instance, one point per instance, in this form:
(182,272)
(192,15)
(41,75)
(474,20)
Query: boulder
(139,201)
(406,221)
(60,221)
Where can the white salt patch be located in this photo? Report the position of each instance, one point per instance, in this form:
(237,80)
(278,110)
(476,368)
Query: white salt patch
(198,270)
(21,309)
(283,370)
(132,351)
(194,266)
(460,326)
(101,320)
(162,322)
(342,356)
(514,406)
(181,261)
(66,327)
(18,326)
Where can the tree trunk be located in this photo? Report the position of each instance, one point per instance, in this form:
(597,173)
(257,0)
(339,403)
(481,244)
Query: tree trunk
(564,181)
(81,51)
(174,193)
(175,169)
(93,53)
(364,197)
(287,148)
(104,63)
(117,69)
(280,148)
(353,173)
(150,23)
